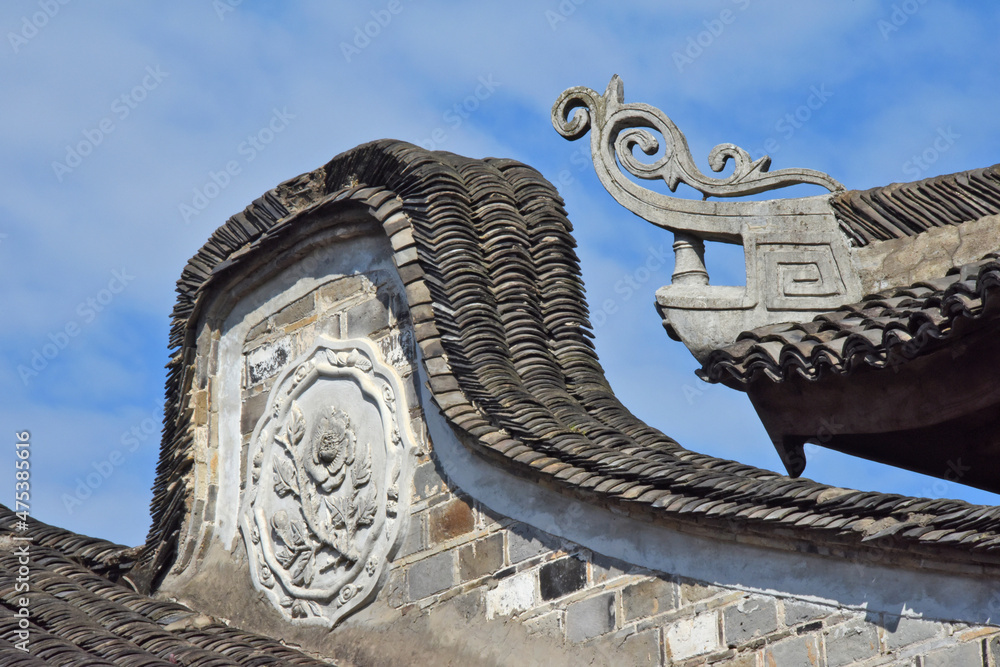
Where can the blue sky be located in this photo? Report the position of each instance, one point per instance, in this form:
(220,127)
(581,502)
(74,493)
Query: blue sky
(118,120)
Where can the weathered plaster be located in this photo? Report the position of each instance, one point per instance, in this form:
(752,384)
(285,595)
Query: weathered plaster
(722,562)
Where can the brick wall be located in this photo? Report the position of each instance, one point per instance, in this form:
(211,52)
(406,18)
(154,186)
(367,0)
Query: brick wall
(459,555)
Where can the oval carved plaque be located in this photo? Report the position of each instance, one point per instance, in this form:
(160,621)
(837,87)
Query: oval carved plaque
(328,467)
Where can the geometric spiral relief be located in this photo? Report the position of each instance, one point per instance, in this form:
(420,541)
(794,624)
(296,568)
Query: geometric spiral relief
(801,276)
(327,471)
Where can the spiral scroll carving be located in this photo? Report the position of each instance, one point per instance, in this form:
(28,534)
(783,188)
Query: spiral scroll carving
(618,129)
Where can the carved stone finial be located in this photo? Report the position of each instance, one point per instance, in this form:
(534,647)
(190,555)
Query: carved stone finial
(618,128)
(796,259)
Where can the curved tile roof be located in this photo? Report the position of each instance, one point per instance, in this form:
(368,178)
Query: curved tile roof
(78,617)
(884,330)
(906,209)
(485,250)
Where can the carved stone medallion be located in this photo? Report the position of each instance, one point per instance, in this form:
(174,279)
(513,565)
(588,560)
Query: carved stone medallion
(327,471)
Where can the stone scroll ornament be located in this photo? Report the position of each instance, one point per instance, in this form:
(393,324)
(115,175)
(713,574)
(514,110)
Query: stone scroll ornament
(617,129)
(328,466)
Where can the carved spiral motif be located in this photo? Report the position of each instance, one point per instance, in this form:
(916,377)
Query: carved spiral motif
(619,128)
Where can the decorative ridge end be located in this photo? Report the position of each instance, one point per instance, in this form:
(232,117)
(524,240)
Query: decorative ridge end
(618,128)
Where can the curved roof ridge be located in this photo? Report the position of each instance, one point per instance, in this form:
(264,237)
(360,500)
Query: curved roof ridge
(485,250)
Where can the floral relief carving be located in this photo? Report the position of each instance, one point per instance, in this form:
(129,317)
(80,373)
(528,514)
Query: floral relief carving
(322,505)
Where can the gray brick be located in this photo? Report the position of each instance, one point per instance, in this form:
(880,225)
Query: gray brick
(258,330)
(960,655)
(640,649)
(252,409)
(449,520)
(802,651)
(851,642)
(524,542)
(414,539)
(604,569)
(590,618)
(481,558)
(562,577)
(908,631)
(752,617)
(648,598)
(549,625)
(693,591)
(294,311)
(427,482)
(802,612)
(267,360)
(431,575)
(366,317)
(333,293)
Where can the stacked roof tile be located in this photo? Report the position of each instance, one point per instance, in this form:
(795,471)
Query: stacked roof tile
(78,617)
(884,330)
(486,252)
(906,209)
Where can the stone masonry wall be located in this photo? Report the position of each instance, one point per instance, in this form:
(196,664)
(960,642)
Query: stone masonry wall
(458,554)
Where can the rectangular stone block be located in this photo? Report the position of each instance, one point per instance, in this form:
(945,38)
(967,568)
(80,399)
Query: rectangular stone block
(954,656)
(688,637)
(267,360)
(641,649)
(259,329)
(562,577)
(450,519)
(431,575)
(802,651)
(251,411)
(366,317)
(604,569)
(648,598)
(591,617)
(750,618)
(549,625)
(427,482)
(414,539)
(512,595)
(295,311)
(481,558)
(339,290)
(802,612)
(524,542)
(908,631)
(851,642)
(693,591)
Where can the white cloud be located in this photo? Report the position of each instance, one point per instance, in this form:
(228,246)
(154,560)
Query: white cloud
(120,206)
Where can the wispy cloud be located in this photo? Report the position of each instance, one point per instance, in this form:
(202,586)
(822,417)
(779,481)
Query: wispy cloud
(119,207)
